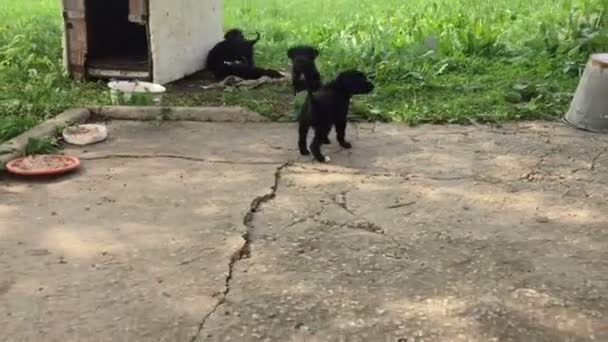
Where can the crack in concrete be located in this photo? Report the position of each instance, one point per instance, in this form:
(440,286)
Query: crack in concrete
(312,216)
(244,252)
(378,173)
(341,200)
(570,191)
(410,176)
(367,225)
(174,156)
(596,158)
(401,205)
(534,169)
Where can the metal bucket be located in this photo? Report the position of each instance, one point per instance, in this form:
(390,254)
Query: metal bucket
(589,107)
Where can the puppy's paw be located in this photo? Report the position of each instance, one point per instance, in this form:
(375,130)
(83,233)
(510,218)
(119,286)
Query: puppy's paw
(304,152)
(346,145)
(322,159)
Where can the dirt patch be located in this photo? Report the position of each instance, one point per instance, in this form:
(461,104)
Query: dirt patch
(274,100)
(191,84)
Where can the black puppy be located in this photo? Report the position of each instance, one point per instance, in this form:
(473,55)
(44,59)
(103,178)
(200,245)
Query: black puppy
(234,56)
(305,75)
(236,37)
(236,34)
(329,107)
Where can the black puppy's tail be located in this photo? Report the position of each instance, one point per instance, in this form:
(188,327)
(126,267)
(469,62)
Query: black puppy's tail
(257,38)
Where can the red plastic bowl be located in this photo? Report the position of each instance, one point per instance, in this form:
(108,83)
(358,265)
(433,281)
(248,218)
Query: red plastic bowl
(63,164)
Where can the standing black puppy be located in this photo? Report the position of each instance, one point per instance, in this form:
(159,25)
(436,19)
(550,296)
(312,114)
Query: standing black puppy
(329,107)
(305,75)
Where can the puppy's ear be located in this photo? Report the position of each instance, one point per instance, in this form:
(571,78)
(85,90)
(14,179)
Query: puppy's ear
(291,52)
(315,53)
(344,81)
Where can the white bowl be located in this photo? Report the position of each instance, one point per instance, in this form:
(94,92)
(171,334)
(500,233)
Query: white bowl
(85,134)
(136,93)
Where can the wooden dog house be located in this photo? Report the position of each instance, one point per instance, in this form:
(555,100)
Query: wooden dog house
(150,40)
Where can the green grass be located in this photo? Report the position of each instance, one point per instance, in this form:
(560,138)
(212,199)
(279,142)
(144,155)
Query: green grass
(37,146)
(432,61)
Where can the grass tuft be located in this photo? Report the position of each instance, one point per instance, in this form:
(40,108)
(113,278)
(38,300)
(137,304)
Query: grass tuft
(38,146)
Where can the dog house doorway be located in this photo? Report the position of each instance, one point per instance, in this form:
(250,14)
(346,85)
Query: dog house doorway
(116,45)
(108,39)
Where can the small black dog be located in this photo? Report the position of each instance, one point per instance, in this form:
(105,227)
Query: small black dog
(305,75)
(234,56)
(329,107)
(245,47)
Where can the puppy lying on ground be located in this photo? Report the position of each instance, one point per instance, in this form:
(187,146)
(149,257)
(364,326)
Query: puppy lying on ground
(242,46)
(234,48)
(305,75)
(234,57)
(329,107)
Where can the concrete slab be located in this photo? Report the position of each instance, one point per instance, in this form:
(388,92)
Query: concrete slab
(180,231)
